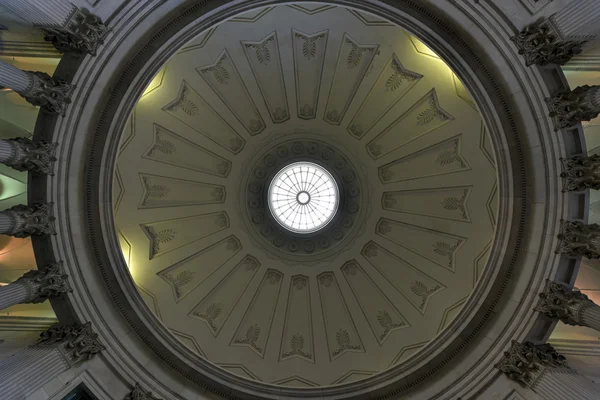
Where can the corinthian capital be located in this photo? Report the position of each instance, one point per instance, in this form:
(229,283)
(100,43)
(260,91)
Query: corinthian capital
(525,362)
(83,33)
(580,240)
(77,342)
(27,155)
(581,173)
(541,44)
(139,393)
(24,221)
(570,107)
(559,302)
(47,93)
(44,284)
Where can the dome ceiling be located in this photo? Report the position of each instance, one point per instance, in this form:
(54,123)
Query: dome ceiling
(372,105)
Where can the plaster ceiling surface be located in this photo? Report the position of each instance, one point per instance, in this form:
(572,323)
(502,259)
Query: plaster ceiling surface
(372,104)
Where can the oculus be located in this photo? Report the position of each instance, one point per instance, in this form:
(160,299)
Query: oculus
(303,197)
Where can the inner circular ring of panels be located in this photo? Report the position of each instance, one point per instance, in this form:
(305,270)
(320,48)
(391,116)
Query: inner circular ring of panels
(303,197)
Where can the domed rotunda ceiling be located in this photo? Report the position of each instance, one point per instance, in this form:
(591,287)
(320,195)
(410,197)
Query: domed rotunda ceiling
(383,260)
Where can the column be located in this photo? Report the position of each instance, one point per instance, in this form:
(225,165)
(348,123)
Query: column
(22,221)
(139,393)
(14,78)
(570,107)
(67,27)
(579,240)
(570,306)
(38,88)
(581,173)
(578,21)
(24,154)
(58,349)
(35,286)
(545,372)
(50,13)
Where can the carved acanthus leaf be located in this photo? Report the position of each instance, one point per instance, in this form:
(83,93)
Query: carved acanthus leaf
(78,342)
(45,283)
(30,220)
(37,157)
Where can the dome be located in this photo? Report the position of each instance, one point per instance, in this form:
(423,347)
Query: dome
(332,289)
(423,127)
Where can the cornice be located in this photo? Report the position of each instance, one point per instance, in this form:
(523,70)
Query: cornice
(143,39)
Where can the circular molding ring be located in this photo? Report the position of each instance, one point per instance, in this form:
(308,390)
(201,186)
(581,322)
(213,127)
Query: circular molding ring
(84,202)
(345,224)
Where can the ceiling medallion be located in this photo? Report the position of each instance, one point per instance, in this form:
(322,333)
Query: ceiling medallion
(303,197)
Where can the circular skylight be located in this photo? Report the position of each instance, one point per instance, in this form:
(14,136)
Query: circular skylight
(303,197)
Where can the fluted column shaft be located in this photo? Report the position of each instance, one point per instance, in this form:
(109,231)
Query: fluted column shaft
(564,384)
(578,20)
(42,13)
(13,78)
(29,369)
(596,96)
(14,293)
(590,316)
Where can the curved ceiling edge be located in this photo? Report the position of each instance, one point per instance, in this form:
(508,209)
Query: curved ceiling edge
(102,197)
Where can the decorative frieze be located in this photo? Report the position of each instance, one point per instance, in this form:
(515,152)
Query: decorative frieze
(24,154)
(570,107)
(82,33)
(542,44)
(22,221)
(546,372)
(41,13)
